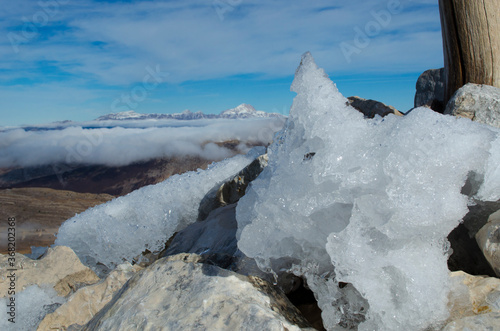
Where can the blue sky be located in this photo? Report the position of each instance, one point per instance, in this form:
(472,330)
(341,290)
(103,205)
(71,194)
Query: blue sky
(77,60)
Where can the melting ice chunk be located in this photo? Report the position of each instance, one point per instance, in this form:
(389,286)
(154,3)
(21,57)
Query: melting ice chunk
(372,208)
(123,228)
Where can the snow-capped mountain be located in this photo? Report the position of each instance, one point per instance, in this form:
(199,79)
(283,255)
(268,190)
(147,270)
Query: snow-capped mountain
(189,115)
(242,111)
(124,115)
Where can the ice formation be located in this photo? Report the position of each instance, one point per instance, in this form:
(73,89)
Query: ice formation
(32,304)
(123,228)
(361,208)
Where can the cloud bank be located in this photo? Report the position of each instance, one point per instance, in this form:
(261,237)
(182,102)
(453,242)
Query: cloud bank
(119,146)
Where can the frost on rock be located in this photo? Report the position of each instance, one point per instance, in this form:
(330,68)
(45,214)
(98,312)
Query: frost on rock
(123,228)
(31,306)
(362,208)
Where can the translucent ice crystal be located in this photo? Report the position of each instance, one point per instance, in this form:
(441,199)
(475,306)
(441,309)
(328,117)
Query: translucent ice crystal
(31,306)
(361,208)
(123,228)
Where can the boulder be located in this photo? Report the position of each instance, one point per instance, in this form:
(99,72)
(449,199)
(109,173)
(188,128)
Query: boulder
(430,90)
(370,108)
(87,301)
(489,321)
(488,239)
(474,303)
(60,268)
(233,189)
(179,293)
(480,103)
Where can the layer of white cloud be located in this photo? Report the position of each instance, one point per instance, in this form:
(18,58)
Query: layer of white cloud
(117,146)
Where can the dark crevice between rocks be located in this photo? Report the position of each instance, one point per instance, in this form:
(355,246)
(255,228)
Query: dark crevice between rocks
(467,255)
(303,298)
(280,303)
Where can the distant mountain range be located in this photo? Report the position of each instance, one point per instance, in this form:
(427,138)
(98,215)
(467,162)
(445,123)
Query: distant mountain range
(136,120)
(242,111)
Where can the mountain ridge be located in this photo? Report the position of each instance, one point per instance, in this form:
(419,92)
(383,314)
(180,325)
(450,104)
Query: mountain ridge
(241,111)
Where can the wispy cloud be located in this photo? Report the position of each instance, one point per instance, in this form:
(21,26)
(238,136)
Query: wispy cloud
(113,41)
(131,141)
(105,45)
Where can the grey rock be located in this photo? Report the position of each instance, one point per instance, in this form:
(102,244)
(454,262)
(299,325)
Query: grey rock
(488,239)
(430,90)
(370,108)
(216,234)
(233,189)
(480,103)
(180,293)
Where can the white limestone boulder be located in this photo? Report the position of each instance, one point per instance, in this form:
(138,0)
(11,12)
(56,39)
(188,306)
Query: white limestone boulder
(480,103)
(60,268)
(88,301)
(474,303)
(178,293)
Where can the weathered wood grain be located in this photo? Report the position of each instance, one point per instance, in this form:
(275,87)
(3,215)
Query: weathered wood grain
(471,43)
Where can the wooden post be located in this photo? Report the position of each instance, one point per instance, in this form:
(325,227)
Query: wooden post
(471,43)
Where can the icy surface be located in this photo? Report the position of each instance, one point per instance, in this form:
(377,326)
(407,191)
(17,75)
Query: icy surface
(365,202)
(32,304)
(123,228)
(490,191)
